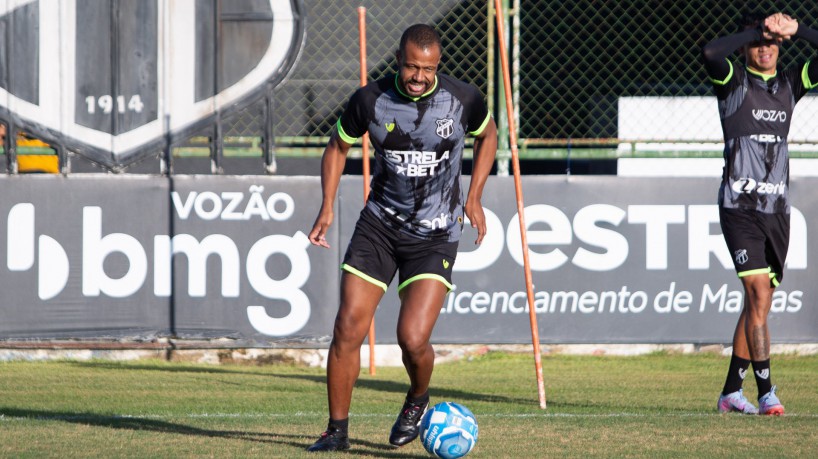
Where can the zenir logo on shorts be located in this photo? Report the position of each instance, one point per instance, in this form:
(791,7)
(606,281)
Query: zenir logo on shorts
(445,128)
(741,256)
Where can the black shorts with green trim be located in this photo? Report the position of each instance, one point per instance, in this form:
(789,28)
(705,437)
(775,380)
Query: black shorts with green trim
(758,242)
(378,250)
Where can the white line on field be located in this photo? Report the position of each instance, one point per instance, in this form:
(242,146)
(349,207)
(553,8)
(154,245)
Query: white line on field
(86,416)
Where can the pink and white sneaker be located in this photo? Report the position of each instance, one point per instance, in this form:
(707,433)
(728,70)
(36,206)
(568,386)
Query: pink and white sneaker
(736,401)
(769,404)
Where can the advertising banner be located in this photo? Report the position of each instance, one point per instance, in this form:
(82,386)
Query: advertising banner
(613,260)
(243,267)
(77,257)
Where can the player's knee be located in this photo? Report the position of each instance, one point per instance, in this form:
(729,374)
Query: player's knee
(413,344)
(348,332)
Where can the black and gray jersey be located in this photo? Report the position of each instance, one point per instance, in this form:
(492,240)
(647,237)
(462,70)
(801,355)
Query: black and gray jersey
(418,144)
(755,112)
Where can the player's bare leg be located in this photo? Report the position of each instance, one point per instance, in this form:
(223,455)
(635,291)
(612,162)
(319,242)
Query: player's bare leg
(732,397)
(758,301)
(758,296)
(359,299)
(420,307)
(751,344)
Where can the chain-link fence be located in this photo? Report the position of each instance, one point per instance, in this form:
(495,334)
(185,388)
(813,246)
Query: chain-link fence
(600,74)
(584,63)
(327,73)
(587,72)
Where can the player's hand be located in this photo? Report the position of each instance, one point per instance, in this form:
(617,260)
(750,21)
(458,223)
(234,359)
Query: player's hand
(780,27)
(319,228)
(474,212)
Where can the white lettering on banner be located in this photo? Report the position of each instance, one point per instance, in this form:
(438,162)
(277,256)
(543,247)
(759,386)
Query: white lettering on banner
(287,289)
(53,265)
(600,245)
(702,243)
(614,244)
(704,239)
(197,253)
(656,219)
(622,301)
(560,234)
(96,248)
(488,251)
(52,261)
(230,205)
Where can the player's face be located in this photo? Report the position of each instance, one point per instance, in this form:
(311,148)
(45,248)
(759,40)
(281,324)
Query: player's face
(762,56)
(418,67)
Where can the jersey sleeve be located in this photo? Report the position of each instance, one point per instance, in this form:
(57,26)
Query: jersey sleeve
(809,71)
(354,122)
(715,53)
(477,112)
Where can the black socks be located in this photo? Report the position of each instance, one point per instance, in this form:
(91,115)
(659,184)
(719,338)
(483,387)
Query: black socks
(735,376)
(338,424)
(738,369)
(418,400)
(762,371)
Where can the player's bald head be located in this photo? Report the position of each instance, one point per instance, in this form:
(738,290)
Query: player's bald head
(421,35)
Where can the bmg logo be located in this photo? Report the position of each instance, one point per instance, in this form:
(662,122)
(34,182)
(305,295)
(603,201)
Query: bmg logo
(24,247)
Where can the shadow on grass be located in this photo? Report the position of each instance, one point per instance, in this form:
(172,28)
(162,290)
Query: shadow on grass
(400,388)
(169,368)
(359,447)
(369,383)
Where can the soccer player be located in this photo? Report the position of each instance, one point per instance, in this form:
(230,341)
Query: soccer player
(417,120)
(756,102)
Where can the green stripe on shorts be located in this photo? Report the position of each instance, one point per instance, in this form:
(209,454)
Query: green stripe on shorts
(363,276)
(449,286)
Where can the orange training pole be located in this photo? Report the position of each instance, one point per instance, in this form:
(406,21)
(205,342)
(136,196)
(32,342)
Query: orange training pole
(365,160)
(515,162)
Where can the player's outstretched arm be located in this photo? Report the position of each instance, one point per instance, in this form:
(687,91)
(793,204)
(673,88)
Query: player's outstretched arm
(715,53)
(332,166)
(485,149)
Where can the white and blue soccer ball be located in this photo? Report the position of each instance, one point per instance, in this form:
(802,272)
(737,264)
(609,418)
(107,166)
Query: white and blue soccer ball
(448,430)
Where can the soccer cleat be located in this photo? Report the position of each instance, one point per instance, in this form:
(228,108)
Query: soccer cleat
(736,401)
(769,404)
(331,440)
(407,426)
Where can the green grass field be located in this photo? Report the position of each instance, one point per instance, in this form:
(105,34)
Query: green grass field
(658,405)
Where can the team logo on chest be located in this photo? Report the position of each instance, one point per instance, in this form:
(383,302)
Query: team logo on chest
(445,128)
